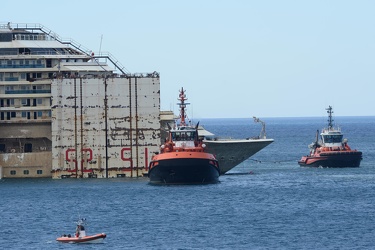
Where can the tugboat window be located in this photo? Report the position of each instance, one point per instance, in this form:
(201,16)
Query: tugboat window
(333,138)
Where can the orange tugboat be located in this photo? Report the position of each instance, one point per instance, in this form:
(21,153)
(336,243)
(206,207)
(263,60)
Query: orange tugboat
(80,235)
(182,158)
(331,151)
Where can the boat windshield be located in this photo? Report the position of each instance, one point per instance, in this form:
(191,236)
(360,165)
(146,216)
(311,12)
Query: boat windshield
(332,138)
(183,135)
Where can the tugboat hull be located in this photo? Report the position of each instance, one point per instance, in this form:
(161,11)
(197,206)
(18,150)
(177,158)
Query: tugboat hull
(343,159)
(184,171)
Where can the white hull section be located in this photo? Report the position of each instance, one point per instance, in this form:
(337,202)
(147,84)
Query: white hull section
(232,152)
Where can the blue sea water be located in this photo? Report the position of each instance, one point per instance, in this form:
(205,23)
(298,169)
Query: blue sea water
(278,206)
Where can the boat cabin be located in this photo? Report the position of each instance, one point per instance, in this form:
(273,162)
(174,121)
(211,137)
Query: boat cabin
(332,138)
(184,137)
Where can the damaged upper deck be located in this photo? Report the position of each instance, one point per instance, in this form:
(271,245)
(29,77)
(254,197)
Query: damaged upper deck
(68,112)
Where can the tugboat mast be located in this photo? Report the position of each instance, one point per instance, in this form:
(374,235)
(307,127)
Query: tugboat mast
(330,120)
(182,98)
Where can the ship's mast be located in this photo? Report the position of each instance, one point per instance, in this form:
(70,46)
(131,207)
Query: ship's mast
(182,98)
(330,120)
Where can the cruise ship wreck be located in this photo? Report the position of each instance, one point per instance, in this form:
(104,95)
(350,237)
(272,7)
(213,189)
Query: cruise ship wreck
(67,112)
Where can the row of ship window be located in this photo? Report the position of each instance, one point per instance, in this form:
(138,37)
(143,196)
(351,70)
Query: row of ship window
(25,102)
(24,114)
(10,76)
(28,87)
(11,63)
(25,172)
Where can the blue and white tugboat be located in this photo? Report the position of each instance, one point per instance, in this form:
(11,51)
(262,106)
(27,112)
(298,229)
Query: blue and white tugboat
(332,151)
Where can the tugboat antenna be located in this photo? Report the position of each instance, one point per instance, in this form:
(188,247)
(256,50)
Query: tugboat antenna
(330,120)
(182,104)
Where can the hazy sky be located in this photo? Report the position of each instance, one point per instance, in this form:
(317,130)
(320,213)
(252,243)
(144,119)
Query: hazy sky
(236,59)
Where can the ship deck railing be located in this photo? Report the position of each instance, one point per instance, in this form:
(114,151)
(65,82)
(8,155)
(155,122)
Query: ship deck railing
(70,42)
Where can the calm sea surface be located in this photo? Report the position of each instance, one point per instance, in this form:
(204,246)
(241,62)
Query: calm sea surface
(278,206)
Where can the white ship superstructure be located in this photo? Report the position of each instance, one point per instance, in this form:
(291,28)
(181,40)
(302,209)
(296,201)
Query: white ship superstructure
(67,112)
